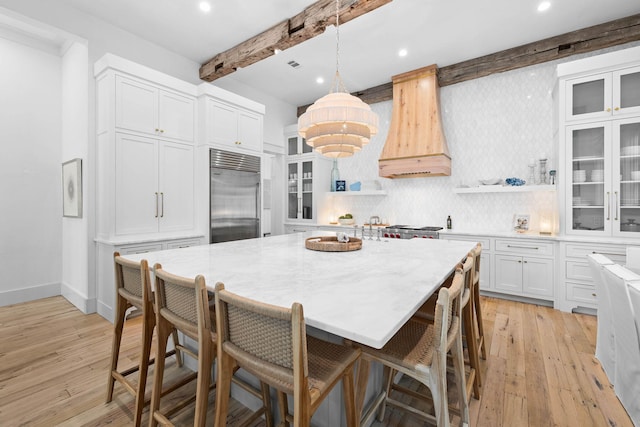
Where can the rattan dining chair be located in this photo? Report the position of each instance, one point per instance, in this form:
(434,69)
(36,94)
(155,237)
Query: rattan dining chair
(133,289)
(419,350)
(184,304)
(271,343)
(469,321)
(477,309)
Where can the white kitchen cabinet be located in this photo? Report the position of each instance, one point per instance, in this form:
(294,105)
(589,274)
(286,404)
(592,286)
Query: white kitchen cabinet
(146,108)
(603,95)
(232,127)
(576,287)
(154,187)
(526,276)
(297,228)
(519,273)
(599,133)
(145,179)
(307,177)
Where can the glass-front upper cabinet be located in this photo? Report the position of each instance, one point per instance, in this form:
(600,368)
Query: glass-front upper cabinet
(300,190)
(626,133)
(297,145)
(603,95)
(589,201)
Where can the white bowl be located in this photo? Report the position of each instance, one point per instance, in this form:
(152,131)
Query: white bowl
(346,221)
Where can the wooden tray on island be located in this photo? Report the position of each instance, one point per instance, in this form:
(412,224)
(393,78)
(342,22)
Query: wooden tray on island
(331,244)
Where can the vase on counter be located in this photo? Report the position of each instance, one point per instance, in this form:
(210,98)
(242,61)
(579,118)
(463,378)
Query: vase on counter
(335,174)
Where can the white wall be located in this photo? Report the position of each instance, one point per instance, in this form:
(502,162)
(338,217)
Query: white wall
(30,173)
(75,135)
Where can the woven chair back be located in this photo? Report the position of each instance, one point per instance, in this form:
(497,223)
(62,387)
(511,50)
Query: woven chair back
(262,338)
(132,280)
(448,313)
(176,298)
(476,253)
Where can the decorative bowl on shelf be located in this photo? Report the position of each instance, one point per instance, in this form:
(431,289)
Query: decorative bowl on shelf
(491,181)
(346,221)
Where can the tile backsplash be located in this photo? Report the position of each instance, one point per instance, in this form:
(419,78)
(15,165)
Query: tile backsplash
(494,125)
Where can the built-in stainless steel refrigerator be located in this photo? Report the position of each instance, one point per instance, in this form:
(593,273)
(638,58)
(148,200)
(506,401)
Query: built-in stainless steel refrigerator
(235,196)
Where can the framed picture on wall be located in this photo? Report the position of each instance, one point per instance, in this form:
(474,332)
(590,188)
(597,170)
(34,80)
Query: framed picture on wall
(521,223)
(72,188)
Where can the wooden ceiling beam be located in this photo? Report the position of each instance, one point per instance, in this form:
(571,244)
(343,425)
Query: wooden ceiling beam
(620,31)
(307,24)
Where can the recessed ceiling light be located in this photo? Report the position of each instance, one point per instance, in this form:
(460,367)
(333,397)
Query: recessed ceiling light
(320,80)
(544,6)
(205,6)
(402,52)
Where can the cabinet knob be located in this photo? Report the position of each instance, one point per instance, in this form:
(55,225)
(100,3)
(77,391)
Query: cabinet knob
(593,295)
(238,143)
(608,110)
(519,261)
(157,130)
(161,130)
(617,108)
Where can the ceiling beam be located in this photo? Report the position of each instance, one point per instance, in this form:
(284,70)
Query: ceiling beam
(620,31)
(307,24)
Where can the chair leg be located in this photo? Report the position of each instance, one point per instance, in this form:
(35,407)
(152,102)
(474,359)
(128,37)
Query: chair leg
(266,401)
(283,408)
(147,336)
(225,372)
(438,387)
(163,331)
(361,384)
(348,391)
(174,336)
(472,346)
(206,353)
(121,308)
(478,312)
(387,382)
(458,368)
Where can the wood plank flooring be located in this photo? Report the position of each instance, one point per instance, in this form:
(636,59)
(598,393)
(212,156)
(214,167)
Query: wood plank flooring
(540,370)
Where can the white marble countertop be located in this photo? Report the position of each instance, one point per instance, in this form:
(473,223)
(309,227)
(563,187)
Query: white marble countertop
(364,295)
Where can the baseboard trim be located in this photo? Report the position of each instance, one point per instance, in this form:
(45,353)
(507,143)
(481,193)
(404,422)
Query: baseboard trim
(17,296)
(104,311)
(82,303)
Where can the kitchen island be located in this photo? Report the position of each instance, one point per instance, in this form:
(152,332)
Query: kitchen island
(364,295)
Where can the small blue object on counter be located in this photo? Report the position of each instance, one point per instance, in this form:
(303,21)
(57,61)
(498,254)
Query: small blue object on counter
(355,186)
(516,182)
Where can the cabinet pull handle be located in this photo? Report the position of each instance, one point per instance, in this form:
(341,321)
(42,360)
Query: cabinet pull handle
(616,208)
(608,206)
(156,205)
(606,253)
(162,205)
(523,247)
(238,143)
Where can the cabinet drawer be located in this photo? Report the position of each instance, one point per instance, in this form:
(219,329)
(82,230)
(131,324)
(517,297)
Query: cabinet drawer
(484,241)
(617,254)
(176,244)
(529,247)
(582,294)
(578,270)
(140,249)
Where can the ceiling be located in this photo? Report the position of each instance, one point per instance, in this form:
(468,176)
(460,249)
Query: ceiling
(432,31)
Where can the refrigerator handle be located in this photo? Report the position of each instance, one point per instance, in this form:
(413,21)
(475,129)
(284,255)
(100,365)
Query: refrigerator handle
(257,200)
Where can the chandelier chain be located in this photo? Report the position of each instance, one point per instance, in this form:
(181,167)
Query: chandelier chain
(337,83)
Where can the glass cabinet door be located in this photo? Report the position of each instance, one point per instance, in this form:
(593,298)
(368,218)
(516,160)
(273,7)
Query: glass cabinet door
(292,192)
(589,97)
(307,189)
(589,205)
(626,86)
(626,133)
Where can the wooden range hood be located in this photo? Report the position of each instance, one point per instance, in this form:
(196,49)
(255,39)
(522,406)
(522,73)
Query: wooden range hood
(416,145)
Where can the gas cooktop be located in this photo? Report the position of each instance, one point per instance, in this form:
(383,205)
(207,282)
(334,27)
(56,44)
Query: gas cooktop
(412,227)
(401,231)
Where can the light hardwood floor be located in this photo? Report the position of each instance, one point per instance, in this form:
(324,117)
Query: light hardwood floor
(540,370)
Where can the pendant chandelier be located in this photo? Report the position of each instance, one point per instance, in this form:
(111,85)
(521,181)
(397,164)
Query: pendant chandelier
(338,124)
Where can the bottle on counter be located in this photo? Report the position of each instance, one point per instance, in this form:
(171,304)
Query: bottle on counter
(448,222)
